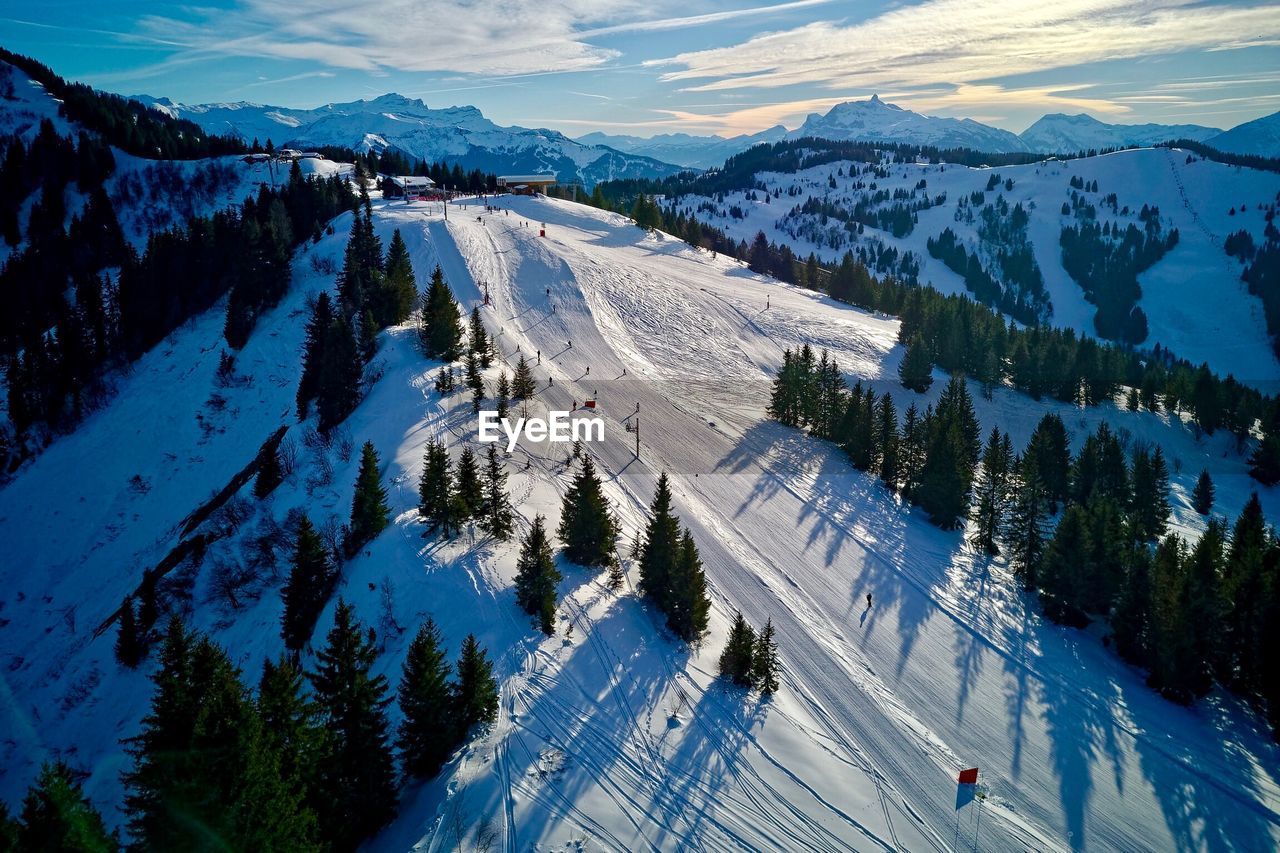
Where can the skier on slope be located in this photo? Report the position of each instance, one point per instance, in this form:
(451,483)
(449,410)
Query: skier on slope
(868,601)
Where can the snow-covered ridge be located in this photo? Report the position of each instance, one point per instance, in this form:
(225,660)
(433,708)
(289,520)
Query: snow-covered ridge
(458,134)
(1195,302)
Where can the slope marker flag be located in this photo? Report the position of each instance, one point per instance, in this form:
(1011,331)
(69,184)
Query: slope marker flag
(969,777)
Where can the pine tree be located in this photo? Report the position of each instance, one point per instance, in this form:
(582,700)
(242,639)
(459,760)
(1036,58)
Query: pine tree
(537,577)
(367,336)
(1171,646)
(479,340)
(369,505)
(1203,494)
(437,502)
(1150,504)
(129,645)
(289,726)
(523,386)
(439,330)
(689,609)
(1250,580)
(202,766)
(504,395)
(991,508)
(785,403)
(764,669)
(340,375)
(475,694)
(269,475)
(307,590)
(356,772)
(313,352)
(1026,537)
(587,527)
(470,494)
(945,478)
(474,380)
(1206,606)
(911,461)
(496,515)
(1050,453)
(737,661)
(661,547)
(400,287)
(887,441)
(1065,568)
(426,735)
(1130,621)
(916,369)
(57,816)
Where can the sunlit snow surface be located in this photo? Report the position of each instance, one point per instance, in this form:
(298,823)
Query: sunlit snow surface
(617,737)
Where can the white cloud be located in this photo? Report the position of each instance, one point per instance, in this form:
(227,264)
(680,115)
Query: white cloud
(497,38)
(967,41)
(504,37)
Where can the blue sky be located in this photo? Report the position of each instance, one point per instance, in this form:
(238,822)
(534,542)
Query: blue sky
(625,66)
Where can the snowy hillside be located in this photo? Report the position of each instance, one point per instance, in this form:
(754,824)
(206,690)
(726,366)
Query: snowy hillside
(683,149)
(1193,297)
(614,736)
(1260,136)
(1058,133)
(459,135)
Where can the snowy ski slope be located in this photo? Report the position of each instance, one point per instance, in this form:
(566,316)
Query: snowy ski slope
(615,737)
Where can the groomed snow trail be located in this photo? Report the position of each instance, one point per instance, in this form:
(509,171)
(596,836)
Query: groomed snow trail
(949,669)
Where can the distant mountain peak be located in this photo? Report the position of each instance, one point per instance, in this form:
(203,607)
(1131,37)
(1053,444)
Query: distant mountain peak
(877,120)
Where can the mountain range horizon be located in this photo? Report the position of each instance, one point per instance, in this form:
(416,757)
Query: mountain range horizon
(871,119)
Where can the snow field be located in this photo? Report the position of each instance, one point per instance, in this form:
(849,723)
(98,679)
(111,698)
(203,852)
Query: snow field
(616,737)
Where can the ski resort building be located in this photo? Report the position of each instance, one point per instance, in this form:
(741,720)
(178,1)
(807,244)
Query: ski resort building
(406,186)
(527,184)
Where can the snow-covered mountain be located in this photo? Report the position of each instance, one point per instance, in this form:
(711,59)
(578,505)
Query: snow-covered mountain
(1260,136)
(459,134)
(1058,133)
(873,119)
(685,149)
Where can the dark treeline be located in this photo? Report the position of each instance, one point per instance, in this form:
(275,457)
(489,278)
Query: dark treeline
(1088,532)
(1019,303)
(308,760)
(74,322)
(1263,271)
(374,290)
(1252,161)
(129,125)
(1106,262)
(392,161)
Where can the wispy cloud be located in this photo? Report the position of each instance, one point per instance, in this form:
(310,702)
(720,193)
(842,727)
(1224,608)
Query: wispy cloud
(505,37)
(970,41)
(305,75)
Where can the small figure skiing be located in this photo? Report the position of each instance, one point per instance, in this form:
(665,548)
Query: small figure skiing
(868,601)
